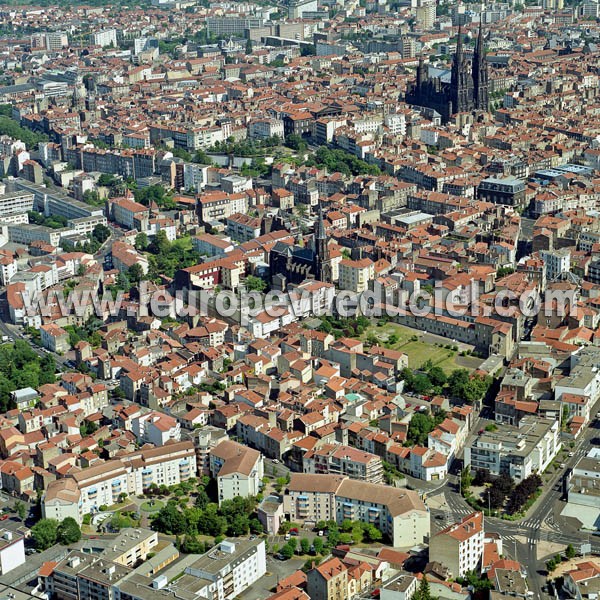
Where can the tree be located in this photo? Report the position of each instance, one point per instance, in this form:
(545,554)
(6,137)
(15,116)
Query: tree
(101,233)
(295,142)
(20,509)
(202,499)
(255,284)
(287,551)
(372,534)
(141,241)
(305,545)
(318,545)
(570,552)
(192,545)
(256,526)
(170,520)
(68,531)
(423,592)
(248,46)
(419,428)
(466,479)
(437,376)
(238,525)
(45,533)
(135,273)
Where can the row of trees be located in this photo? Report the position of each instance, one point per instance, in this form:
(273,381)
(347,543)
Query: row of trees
(167,257)
(500,491)
(340,161)
(47,532)
(21,367)
(431,379)
(10,127)
(155,194)
(523,492)
(421,425)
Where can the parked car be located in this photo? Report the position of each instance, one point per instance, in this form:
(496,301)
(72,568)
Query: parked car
(293,530)
(3,517)
(287,537)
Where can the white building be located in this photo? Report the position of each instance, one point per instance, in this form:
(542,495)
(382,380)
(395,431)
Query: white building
(156,428)
(105,37)
(133,473)
(238,469)
(230,568)
(556,262)
(260,129)
(518,451)
(12,551)
(460,545)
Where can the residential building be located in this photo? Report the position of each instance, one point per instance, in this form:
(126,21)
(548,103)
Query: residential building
(518,451)
(459,547)
(398,513)
(12,551)
(238,469)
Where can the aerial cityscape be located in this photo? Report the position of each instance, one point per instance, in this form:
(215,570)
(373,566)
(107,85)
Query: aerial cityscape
(299,300)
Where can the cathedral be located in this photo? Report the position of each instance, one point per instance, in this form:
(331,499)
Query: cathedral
(468,87)
(293,264)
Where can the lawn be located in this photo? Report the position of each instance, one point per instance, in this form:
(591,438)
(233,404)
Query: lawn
(154,507)
(404,339)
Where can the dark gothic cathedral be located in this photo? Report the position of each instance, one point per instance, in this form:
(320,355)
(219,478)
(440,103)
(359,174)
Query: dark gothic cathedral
(468,87)
(293,264)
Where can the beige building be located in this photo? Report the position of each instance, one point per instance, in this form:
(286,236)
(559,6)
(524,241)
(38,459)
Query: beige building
(61,500)
(328,581)
(354,275)
(238,469)
(398,513)
(460,546)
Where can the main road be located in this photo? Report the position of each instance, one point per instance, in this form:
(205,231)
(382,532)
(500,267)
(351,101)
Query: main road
(521,538)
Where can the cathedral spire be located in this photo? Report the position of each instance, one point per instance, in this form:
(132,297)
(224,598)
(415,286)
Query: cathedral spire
(480,73)
(320,229)
(459,49)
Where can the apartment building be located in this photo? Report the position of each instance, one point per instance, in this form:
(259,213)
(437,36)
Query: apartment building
(328,581)
(54,338)
(105,37)
(238,469)
(15,203)
(459,546)
(12,551)
(130,213)
(156,428)
(102,484)
(355,275)
(344,460)
(230,568)
(517,451)
(398,513)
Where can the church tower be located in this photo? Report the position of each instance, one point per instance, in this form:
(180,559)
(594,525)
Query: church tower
(461,86)
(323,258)
(480,74)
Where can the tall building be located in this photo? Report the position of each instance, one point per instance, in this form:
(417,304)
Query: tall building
(467,89)
(460,546)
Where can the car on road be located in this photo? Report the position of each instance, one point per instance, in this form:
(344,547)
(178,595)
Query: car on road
(275,461)
(571,454)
